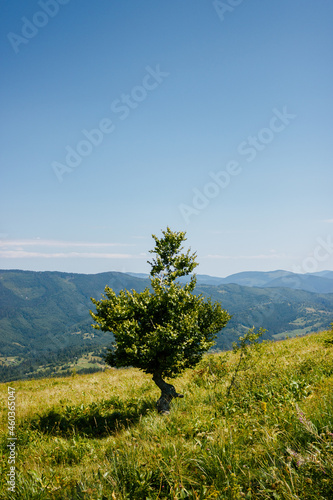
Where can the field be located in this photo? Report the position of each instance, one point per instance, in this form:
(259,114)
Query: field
(256,427)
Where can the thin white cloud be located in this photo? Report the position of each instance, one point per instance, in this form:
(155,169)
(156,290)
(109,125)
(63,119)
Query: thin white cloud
(59,243)
(21,254)
(328,221)
(249,257)
(58,249)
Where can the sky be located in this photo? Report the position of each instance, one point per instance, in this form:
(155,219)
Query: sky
(121,118)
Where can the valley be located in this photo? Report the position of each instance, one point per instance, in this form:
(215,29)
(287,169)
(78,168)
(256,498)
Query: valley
(46,327)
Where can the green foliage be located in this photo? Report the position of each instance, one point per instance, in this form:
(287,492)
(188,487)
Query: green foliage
(165,330)
(169,263)
(245,344)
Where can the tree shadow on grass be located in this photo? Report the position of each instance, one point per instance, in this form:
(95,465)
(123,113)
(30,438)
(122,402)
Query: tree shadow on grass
(93,420)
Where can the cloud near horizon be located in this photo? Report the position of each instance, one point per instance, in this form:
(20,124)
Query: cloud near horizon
(58,243)
(251,257)
(21,254)
(21,249)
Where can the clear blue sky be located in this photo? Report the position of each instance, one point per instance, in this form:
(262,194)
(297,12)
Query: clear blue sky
(213,118)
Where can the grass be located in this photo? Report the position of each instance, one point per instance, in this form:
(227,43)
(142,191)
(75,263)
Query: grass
(98,436)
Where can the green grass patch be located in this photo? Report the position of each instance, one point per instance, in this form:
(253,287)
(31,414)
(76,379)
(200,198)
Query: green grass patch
(98,436)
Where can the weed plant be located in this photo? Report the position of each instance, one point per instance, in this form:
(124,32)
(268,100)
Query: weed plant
(261,428)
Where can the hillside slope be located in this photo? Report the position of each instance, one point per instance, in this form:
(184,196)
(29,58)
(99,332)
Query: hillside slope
(99,436)
(281,311)
(47,311)
(43,312)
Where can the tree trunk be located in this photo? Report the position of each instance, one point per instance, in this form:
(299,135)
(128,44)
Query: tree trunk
(168,392)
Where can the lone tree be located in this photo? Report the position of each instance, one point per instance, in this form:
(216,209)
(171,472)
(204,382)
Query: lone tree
(166,328)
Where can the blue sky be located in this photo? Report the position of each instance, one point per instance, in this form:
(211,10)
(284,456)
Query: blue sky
(122,118)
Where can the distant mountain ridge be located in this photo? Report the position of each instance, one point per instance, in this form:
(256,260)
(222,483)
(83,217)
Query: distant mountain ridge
(325,274)
(44,312)
(321,282)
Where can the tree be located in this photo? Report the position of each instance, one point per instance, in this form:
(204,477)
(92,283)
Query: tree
(165,329)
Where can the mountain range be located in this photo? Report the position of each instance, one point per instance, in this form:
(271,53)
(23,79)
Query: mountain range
(321,282)
(44,312)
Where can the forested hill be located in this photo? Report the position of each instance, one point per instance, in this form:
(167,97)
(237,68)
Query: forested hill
(43,312)
(48,311)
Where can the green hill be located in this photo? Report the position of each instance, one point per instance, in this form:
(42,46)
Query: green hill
(99,436)
(281,311)
(44,316)
(48,311)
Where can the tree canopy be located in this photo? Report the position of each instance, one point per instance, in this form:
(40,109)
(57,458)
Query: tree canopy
(166,328)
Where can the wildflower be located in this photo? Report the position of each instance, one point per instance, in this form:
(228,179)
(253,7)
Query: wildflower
(264,405)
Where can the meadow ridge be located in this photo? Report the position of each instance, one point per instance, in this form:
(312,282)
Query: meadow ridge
(99,436)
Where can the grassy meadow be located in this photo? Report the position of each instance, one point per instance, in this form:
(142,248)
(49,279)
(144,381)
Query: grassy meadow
(98,436)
